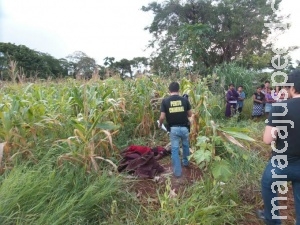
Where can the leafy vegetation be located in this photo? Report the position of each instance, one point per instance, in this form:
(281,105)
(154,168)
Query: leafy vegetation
(200,35)
(61,143)
(60,140)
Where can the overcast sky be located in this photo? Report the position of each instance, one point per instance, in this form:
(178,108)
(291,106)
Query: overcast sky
(99,28)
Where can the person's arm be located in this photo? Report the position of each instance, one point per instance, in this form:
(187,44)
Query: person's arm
(230,96)
(161,119)
(271,130)
(236,94)
(255,100)
(162,113)
(189,113)
(189,109)
(263,98)
(268,134)
(271,99)
(242,96)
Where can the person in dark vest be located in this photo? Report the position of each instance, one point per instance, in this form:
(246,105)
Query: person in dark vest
(282,133)
(176,110)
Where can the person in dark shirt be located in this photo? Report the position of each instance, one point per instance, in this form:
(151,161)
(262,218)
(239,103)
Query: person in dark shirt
(258,100)
(231,101)
(176,110)
(282,132)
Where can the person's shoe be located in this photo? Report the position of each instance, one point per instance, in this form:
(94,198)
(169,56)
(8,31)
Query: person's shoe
(187,166)
(180,180)
(260,214)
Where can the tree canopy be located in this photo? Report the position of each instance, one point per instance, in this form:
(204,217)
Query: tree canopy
(200,34)
(29,62)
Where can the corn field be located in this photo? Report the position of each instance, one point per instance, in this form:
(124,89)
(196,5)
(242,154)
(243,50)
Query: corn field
(60,145)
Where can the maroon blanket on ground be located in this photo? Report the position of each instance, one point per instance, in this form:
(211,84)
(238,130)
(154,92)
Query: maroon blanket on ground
(141,161)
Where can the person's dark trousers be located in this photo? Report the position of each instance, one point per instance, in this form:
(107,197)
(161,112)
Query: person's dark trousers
(240,109)
(292,173)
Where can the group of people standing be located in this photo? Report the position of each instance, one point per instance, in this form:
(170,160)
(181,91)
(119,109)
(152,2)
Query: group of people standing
(262,100)
(234,100)
(284,165)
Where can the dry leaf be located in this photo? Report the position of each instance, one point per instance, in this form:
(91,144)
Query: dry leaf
(156,178)
(1,152)
(172,193)
(233,140)
(139,194)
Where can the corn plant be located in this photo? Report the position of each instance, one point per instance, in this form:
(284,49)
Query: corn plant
(208,138)
(93,128)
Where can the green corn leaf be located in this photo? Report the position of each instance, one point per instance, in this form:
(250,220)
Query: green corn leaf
(221,170)
(235,129)
(202,156)
(239,135)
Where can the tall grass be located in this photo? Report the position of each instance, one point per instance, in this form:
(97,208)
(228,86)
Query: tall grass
(232,73)
(44,195)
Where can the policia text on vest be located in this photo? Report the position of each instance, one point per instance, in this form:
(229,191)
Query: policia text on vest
(176,106)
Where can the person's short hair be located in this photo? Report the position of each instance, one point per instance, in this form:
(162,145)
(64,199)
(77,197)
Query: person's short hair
(271,88)
(262,86)
(259,87)
(241,86)
(267,81)
(231,85)
(294,77)
(174,87)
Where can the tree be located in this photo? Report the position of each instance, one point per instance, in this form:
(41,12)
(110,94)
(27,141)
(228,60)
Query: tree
(3,65)
(30,62)
(81,64)
(102,72)
(124,67)
(140,63)
(109,63)
(201,34)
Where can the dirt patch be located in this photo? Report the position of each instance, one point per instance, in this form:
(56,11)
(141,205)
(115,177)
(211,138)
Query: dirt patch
(147,189)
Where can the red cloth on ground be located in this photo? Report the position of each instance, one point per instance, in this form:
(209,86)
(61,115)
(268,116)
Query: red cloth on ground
(141,161)
(137,149)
